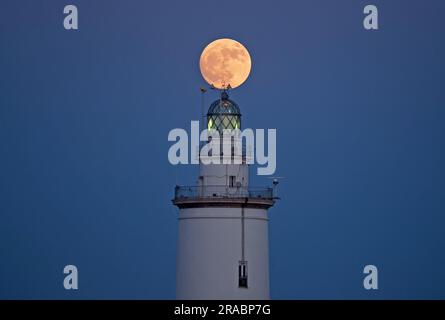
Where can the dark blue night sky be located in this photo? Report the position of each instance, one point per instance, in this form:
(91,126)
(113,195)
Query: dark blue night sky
(84,119)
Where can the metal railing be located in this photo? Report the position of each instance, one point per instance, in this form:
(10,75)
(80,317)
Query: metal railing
(198,192)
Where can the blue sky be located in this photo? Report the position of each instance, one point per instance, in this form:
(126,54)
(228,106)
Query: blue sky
(84,119)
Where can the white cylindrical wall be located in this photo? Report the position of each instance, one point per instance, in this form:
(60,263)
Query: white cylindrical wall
(218,174)
(209,251)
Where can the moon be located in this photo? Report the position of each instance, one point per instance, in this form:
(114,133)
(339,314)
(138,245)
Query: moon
(225,62)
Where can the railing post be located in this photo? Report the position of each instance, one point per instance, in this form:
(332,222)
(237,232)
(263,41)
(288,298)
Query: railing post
(176,191)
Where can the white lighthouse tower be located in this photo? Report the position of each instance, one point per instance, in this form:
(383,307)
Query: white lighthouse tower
(223,245)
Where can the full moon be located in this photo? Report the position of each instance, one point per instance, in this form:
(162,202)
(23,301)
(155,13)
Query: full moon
(225,62)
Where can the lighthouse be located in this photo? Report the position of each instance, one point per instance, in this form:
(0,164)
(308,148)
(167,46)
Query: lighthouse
(223,243)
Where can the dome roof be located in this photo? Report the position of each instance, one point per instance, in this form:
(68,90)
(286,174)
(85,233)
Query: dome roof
(224,106)
(224,114)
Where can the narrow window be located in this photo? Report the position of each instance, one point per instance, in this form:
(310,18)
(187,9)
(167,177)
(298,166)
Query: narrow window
(232,181)
(242,274)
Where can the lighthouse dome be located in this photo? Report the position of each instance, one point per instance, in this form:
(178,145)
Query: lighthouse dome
(224,114)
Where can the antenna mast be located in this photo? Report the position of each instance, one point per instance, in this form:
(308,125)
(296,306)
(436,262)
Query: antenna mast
(203,90)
